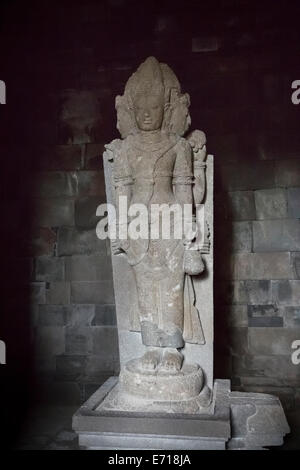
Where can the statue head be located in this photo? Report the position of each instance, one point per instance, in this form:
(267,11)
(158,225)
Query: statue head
(180,119)
(152,100)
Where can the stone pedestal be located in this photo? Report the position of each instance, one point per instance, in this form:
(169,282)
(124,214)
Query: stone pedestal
(234,420)
(156,391)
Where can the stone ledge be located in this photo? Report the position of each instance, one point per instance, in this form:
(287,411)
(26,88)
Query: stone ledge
(240,421)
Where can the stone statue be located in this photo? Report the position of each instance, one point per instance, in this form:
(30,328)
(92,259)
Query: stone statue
(166,396)
(155,164)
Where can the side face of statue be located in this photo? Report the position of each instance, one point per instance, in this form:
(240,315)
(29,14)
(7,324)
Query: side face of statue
(154,164)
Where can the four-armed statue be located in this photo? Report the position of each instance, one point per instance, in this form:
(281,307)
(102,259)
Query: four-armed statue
(156,166)
(165,396)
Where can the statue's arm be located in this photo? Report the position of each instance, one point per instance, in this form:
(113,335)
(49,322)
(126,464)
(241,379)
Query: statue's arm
(122,182)
(197,140)
(183,174)
(183,181)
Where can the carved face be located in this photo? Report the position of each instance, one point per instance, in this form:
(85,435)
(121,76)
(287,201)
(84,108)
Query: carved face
(149,112)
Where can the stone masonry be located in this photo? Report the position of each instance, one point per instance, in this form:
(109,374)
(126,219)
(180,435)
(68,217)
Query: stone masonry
(239,74)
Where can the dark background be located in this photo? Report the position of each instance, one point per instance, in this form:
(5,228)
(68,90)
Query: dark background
(63,63)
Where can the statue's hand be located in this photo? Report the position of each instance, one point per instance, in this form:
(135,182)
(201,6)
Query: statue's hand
(113,147)
(116,247)
(192,262)
(119,246)
(197,140)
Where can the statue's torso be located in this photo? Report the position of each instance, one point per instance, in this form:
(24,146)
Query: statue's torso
(151,169)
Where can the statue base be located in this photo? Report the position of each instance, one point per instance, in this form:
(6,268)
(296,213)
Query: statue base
(159,391)
(235,420)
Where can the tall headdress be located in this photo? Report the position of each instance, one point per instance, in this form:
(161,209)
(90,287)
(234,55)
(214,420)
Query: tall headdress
(152,78)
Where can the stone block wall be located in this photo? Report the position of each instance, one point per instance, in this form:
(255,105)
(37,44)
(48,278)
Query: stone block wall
(237,60)
(73,313)
(260,279)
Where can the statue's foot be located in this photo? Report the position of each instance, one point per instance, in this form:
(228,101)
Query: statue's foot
(150,359)
(171,361)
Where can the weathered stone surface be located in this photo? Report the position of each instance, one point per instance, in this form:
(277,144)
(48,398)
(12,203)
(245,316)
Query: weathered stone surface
(138,389)
(258,292)
(81,315)
(286,292)
(70,367)
(79,242)
(257,421)
(80,116)
(88,268)
(78,340)
(101,366)
(40,241)
(246,176)
(269,341)
(100,292)
(60,393)
(34,315)
(237,315)
(105,343)
(91,183)
(93,156)
(238,341)
(53,212)
(59,157)
(276,235)
(105,315)
(209,433)
(235,292)
(271,203)
(45,364)
(294,202)
(296,264)
(50,341)
(38,292)
(242,236)
(287,173)
(265,321)
(55,184)
(264,311)
(58,293)
(244,292)
(240,421)
(53,315)
(261,266)
(279,146)
(85,212)
(242,205)
(280,367)
(50,269)
(292,316)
